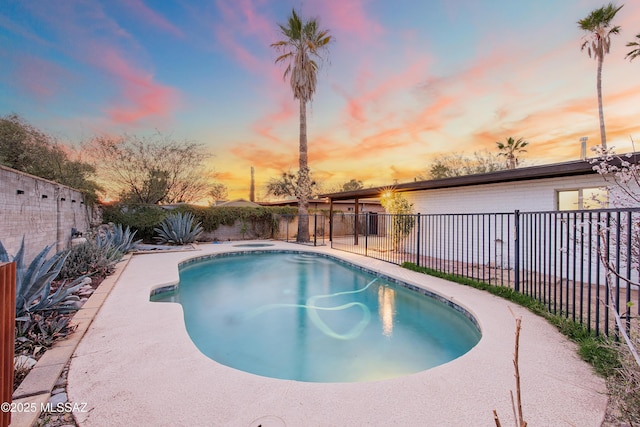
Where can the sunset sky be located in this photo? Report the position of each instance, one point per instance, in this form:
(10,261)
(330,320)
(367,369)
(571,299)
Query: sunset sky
(405,80)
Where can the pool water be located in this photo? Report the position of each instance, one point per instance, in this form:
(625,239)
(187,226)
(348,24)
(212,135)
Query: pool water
(311,318)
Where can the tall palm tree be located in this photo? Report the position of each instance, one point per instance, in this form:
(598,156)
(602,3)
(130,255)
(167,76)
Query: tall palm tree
(597,41)
(511,149)
(303,41)
(636,49)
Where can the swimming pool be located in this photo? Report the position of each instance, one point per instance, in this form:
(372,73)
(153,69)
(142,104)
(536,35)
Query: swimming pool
(312,318)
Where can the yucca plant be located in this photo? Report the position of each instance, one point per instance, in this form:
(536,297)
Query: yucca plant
(178,229)
(33,281)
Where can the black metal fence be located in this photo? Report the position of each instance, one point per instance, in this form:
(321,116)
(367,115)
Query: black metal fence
(287,229)
(564,259)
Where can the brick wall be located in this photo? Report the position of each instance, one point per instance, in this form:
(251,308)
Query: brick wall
(43,211)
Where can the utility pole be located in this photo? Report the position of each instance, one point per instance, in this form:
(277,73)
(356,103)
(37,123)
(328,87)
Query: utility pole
(252,191)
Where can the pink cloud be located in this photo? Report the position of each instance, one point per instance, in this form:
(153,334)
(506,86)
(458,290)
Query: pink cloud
(38,76)
(264,126)
(152,17)
(85,32)
(358,105)
(241,19)
(255,23)
(347,17)
(144,97)
(237,50)
(265,157)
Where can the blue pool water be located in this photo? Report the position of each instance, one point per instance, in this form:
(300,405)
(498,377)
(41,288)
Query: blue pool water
(311,318)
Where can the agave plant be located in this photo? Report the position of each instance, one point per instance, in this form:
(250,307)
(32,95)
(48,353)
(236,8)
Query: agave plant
(33,281)
(119,240)
(178,229)
(88,258)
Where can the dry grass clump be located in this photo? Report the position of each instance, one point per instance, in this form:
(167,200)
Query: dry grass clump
(624,384)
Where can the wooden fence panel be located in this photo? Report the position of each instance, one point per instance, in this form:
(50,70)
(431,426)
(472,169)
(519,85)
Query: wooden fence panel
(7,331)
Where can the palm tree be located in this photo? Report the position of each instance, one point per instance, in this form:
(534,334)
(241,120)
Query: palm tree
(302,42)
(597,42)
(636,49)
(511,149)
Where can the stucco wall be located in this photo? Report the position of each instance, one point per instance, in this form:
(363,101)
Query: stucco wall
(43,211)
(526,196)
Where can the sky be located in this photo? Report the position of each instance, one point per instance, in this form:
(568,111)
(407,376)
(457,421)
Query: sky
(403,82)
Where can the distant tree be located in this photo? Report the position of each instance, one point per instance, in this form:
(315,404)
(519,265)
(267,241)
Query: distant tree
(151,170)
(27,149)
(287,186)
(511,150)
(635,52)
(284,186)
(352,185)
(597,43)
(302,42)
(457,164)
(218,191)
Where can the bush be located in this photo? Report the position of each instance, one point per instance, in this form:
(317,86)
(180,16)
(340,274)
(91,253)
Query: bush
(261,221)
(141,218)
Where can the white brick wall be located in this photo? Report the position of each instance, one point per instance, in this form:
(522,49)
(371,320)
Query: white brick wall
(526,196)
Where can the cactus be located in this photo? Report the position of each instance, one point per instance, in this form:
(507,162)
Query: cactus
(178,229)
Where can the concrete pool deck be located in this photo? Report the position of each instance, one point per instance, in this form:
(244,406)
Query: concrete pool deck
(136,365)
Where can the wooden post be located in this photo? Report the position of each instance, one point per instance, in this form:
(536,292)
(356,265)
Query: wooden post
(7,332)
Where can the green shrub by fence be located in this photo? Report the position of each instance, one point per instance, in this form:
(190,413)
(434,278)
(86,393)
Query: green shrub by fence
(144,218)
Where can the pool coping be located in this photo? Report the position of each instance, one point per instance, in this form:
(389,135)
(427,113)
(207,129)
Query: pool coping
(35,389)
(115,372)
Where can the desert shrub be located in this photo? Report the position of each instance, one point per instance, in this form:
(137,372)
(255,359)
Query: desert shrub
(144,218)
(139,218)
(262,219)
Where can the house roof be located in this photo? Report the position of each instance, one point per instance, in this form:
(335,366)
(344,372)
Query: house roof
(572,168)
(321,201)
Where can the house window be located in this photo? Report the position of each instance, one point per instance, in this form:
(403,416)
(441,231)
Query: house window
(582,198)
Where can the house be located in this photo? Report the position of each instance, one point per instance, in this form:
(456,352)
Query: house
(534,218)
(559,186)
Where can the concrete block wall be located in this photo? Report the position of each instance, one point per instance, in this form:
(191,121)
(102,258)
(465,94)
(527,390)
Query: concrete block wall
(42,211)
